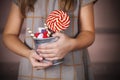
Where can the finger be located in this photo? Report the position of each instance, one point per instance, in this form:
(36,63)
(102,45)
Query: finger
(51,55)
(57,34)
(42,64)
(47,46)
(40,68)
(52,59)
(46,51)
(36,56)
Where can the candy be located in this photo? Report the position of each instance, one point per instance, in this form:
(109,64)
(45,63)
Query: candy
(31,33)
(40,36)
(43,33)
(58,21)
(36,34)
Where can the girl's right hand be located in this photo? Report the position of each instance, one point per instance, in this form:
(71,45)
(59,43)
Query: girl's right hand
(36,61)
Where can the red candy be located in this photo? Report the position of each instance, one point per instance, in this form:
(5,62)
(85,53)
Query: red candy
(41,35)
(45,34)
(58,20)
(36,34)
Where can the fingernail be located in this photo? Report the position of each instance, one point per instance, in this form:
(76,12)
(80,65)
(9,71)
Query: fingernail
(41,58)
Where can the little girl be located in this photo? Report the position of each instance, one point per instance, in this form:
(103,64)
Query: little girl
(71,45)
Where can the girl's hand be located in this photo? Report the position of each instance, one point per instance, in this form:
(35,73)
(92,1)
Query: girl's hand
(36,61)
(56,50)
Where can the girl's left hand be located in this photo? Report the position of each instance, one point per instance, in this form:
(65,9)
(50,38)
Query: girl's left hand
(56,50)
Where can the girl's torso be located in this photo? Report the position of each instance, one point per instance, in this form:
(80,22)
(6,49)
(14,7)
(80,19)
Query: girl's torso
(73,67)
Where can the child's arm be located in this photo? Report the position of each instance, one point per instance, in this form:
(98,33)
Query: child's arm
(87,30)
(12,30)
(12,41)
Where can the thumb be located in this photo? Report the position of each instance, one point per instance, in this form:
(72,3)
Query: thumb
(57,34)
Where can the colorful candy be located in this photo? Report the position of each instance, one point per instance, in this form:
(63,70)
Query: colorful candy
(58,21)
(42,33)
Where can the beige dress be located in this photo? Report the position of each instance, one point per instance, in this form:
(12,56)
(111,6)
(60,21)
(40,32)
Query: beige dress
(76,65)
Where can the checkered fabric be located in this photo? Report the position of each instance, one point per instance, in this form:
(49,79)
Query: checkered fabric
(76,65)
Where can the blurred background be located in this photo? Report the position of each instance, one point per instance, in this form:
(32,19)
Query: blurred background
(104,53)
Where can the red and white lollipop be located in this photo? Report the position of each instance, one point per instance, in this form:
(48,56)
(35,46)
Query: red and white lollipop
(58,21)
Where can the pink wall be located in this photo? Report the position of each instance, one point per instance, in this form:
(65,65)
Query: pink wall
(107,23)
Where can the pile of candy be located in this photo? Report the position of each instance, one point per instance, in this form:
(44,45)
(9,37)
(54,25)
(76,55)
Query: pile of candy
(57,21)
(43,33)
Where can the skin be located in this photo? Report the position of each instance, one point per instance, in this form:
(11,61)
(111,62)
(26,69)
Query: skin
(51,51)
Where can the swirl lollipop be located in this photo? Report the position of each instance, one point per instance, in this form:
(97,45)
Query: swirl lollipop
(58,21)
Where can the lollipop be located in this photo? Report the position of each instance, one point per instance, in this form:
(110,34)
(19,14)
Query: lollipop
(58,21)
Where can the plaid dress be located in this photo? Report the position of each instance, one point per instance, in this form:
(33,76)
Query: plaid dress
(76,65)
